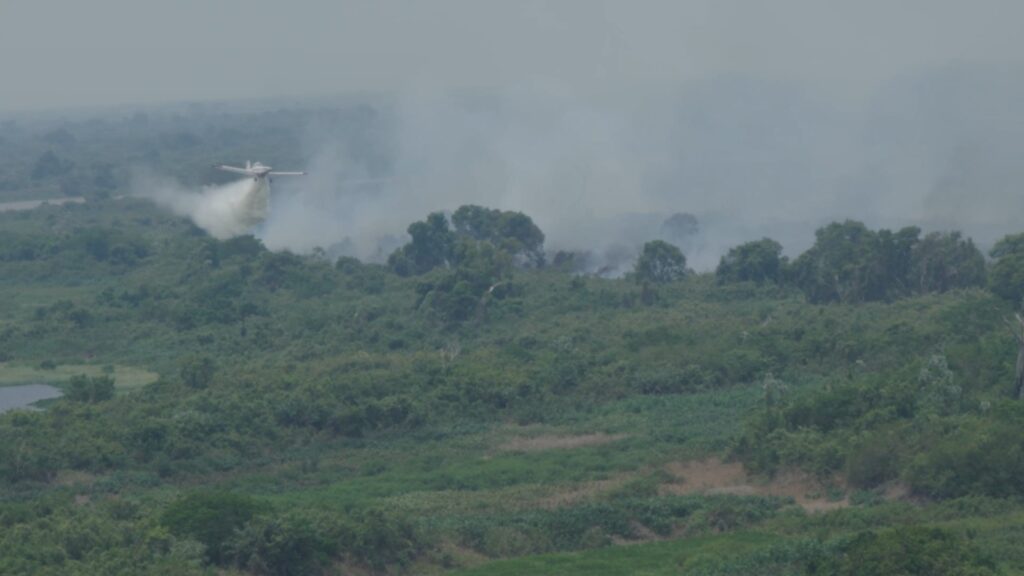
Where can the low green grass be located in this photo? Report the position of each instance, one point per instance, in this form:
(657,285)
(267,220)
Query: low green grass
(647,559)
(429,473)
(433,471)
(688,425)
(17,303)
(125,377)
(999,537)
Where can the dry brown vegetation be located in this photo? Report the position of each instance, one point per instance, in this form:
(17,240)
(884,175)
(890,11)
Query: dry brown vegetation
(583,491)
(557,442)
(713,476)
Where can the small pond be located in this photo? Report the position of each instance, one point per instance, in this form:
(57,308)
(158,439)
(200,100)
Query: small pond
(24,396)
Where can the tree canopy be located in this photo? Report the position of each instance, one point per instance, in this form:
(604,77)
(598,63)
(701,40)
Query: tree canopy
(659,262)
(850,263)
(435,244)
(759,261)
(512,232)
(430,247)
(1007,276)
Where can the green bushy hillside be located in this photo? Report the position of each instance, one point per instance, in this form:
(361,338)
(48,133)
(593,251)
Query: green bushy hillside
(322,417)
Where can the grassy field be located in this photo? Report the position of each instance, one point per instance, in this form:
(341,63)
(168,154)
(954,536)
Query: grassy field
(568,427)
(670,557)
(509,466)
(996,536)
(125,377)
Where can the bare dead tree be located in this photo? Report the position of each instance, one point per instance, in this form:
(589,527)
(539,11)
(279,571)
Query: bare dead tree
(485,299)
(1017,329)
(449,353)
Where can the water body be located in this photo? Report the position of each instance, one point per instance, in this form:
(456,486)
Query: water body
(13,397)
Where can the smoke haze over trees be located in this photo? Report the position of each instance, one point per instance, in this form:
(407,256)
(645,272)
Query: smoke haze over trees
(714,287)
(599,119)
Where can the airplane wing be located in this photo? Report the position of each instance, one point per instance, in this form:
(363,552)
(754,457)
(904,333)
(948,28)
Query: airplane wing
(286,173)
(234,169)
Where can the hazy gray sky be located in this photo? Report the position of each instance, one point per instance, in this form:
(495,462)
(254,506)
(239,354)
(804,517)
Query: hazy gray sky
(69,53)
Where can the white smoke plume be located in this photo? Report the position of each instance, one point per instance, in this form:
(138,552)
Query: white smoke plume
(600,173)
(749,157)
(223,211)
(597,118)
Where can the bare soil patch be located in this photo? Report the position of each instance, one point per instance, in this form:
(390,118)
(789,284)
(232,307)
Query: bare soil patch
(582,492)
(713,476)
(557,442)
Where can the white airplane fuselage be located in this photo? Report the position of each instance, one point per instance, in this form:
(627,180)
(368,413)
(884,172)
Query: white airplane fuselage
(237,208)
(257,171)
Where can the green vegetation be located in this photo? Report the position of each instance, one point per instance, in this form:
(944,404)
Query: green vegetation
(909,550)
(760,261)
(211,519)
(82,388)
(469,408)
(1007,276)
(659,262)
(850,263)
(49,372)
(654,558)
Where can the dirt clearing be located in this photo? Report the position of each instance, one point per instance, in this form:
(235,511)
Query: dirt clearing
(713,476)
(557,442)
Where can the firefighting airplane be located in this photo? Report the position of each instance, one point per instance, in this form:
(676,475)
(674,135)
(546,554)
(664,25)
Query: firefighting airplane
(257,171)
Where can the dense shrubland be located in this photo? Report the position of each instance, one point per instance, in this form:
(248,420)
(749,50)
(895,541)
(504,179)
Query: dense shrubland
(318,416)
(850,263)
(895,551)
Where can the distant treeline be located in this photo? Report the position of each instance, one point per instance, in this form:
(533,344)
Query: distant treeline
(848,263)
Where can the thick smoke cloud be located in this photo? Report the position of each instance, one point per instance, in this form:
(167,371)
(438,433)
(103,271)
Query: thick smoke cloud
(601,118)
(223,211)
(600,173)
(749,157)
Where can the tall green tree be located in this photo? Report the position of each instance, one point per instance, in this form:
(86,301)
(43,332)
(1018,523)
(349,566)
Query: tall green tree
(211,518)
(759,261)
(659,263)
(82,388)
(838,268)
(512,232)
(460,292)
(892,262)
(850,263)
(430,247)
(1007,275)
(944,261)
